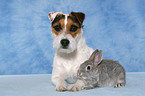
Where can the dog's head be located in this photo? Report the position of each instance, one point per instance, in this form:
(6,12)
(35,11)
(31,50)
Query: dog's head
(66,30)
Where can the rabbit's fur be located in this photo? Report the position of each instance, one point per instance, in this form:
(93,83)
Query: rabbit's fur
(96,72)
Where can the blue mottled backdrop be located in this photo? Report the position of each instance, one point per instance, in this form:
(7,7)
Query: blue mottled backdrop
(115,26)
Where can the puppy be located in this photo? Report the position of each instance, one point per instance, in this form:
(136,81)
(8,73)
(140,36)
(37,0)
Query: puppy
(70,46)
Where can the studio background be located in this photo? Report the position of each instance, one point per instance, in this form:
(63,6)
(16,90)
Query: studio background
(115,26)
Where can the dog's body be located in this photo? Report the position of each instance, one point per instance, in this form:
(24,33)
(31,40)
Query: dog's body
(70,45)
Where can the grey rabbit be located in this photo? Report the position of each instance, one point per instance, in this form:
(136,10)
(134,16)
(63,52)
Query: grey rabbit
(98,72)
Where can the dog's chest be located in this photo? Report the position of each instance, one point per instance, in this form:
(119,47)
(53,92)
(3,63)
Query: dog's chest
(67,66)
(71,75)
(72,65)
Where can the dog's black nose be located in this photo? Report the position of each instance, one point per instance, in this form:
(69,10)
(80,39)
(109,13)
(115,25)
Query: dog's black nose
(64,43)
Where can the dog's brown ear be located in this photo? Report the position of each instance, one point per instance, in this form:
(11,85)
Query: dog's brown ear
(79,16)
(52,15)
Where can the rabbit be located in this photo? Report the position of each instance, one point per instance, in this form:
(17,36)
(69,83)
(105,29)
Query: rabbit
(98,72)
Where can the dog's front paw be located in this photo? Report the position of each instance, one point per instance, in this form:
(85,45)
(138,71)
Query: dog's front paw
(74,87)
(61,88)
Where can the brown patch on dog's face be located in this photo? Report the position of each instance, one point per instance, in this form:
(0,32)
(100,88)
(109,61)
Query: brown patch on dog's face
(73,28)
(58,25)
(74,23)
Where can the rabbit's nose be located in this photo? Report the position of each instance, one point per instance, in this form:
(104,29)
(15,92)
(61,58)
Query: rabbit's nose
(79,73)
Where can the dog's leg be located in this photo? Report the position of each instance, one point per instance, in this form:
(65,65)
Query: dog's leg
(61,86)
(60,83)
(77,86)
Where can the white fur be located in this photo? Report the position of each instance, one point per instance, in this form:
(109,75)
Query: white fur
(65,22)
(67,61)
(52,15)
(58,47)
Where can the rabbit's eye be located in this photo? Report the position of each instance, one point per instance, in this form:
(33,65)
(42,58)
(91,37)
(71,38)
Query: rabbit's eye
(88,68)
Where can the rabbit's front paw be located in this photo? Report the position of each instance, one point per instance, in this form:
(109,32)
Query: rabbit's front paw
(74,87)
(118,85)
(61,88)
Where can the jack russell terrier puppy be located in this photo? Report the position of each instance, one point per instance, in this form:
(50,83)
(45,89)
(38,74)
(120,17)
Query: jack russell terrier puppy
(70,46)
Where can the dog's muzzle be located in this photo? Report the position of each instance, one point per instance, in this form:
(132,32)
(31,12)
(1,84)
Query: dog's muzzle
(64,43)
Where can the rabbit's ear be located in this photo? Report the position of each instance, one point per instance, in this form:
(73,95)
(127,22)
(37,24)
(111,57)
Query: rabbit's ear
(93,55)
(98,57)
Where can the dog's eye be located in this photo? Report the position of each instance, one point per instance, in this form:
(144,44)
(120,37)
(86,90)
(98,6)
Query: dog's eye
(57,27)
(73,28)
(88,68)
